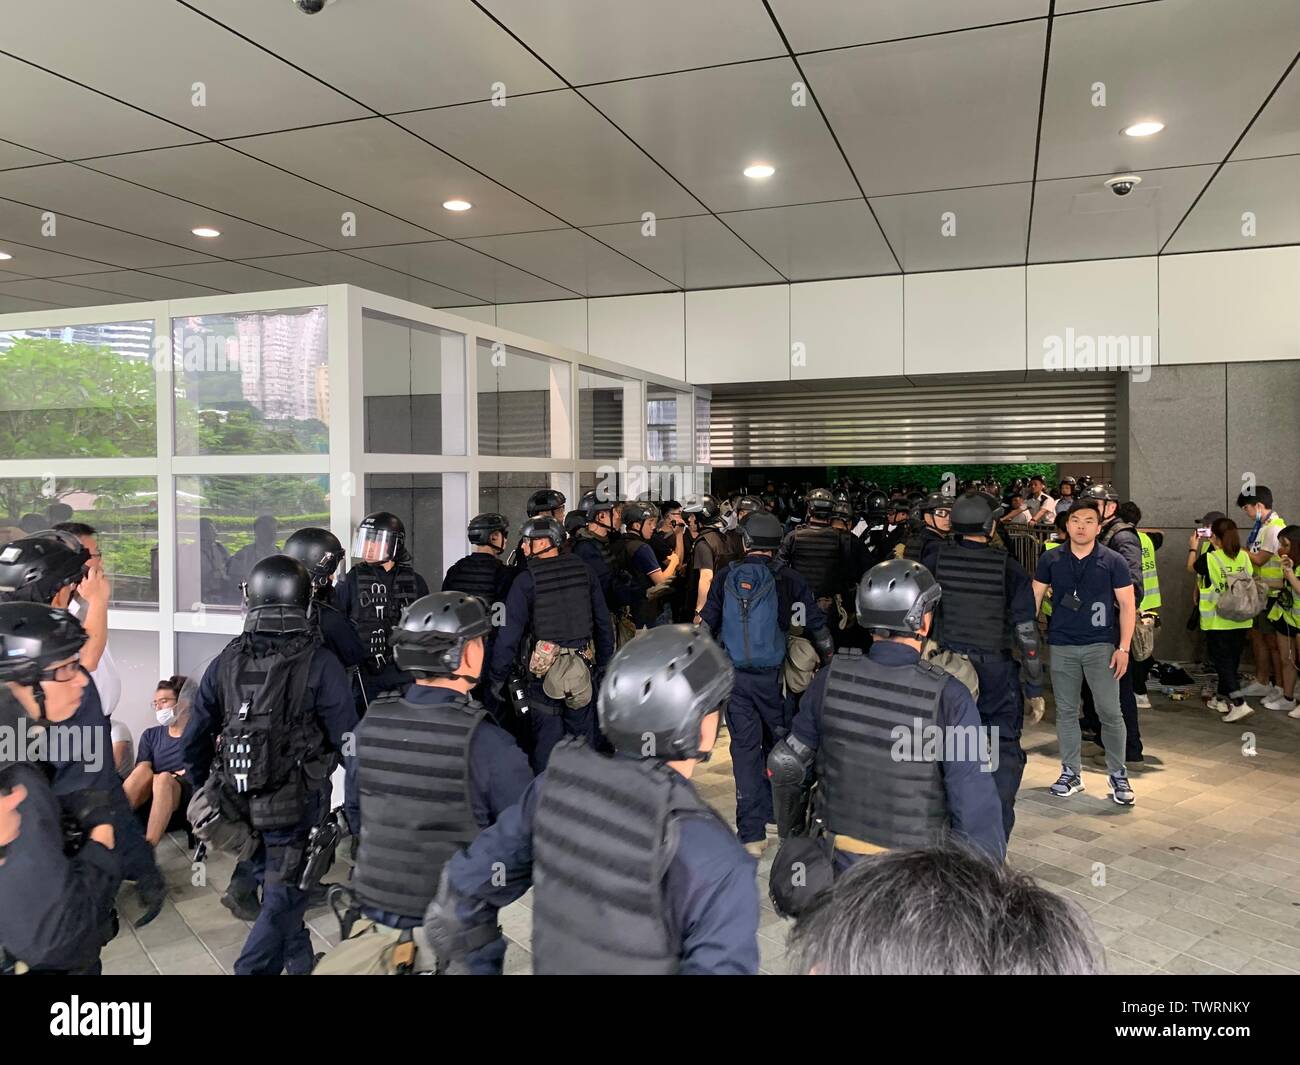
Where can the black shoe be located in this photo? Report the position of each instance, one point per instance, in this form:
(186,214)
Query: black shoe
(243,904)
(354,845)
(152,893)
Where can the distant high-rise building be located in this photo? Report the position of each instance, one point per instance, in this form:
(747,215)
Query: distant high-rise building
(280,363)
(133,340)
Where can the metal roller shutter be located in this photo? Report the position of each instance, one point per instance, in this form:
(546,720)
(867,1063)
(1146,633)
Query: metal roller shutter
(1063,420)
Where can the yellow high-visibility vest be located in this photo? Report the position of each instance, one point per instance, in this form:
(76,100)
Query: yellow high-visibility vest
(1150,579)
(1220,566)
(1047,596)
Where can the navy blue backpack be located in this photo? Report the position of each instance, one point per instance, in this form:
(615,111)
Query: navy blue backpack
(751,629)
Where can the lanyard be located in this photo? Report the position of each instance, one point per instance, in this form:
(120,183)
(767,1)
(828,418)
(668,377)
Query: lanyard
(1077,573)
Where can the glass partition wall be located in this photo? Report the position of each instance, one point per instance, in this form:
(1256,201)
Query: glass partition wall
(195,435)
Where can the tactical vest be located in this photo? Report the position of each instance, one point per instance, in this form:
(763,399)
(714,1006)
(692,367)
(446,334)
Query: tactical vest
(1108,534)
(381,596)
(602,842)
(1150,578)
(644,611)
(973,609)
(476,574)
(871,795)
(416,813)
(561,599)
(817,553)
(914,546)
(273,749)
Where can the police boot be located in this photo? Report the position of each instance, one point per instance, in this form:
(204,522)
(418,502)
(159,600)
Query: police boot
(244,904)
(152,893)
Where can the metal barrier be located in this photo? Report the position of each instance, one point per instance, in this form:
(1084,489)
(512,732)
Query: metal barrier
(1025,543)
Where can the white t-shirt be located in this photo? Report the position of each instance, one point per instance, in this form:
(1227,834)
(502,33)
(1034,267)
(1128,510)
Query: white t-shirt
(123,734)
(108,682)
(1037,503)
(1267,535)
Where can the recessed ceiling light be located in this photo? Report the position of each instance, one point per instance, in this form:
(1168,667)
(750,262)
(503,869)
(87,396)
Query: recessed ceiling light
(5,255)
(205,231)
(1144,129)
(759,170)
(457,205)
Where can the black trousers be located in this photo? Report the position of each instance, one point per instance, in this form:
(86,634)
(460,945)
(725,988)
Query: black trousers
(1224,647)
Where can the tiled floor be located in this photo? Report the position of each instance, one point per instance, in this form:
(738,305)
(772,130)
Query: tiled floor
(1202,876)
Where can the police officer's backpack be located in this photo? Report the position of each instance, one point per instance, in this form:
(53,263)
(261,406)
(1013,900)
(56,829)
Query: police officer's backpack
(751,629)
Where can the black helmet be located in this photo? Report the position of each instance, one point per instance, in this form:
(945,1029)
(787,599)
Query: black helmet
(430,638)
(34,637)
(1102,493)
(482,526)
(934,501)
(1085,480)
(876,504)
(973,515)
(277,595)
(762,532)
(385,532)
(820,503)
(705,508)
(1069,480)
(317,549)
(637,511)
(35,568)
(659,687)
(544,527)
(894,597)
(573,521)
(544,500)
(593,503)
(749,505)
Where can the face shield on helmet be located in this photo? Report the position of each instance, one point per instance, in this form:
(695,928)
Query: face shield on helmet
(375,545)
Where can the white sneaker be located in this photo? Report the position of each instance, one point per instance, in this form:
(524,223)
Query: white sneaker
(1295,713)
(1219,703)
(1279,702)
(1239,711)
(1144,702)
(1255,688)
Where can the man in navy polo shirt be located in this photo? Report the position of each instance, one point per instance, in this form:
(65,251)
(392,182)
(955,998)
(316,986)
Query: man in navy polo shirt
(1093,615)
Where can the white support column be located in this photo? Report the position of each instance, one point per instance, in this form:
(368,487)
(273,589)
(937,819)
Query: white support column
(164,392)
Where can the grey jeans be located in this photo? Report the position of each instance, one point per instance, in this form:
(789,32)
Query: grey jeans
(1070,666)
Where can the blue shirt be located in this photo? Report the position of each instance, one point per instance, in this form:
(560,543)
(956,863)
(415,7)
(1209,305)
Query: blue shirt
(161,750)
(95,768)
(974,808)
(1094,579)
(709,889)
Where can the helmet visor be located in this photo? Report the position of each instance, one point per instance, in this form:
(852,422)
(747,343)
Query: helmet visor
(374,545)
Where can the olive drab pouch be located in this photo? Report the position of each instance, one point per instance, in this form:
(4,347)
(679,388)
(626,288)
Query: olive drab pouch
(569,679)
(955,664)
(801,662)
(624,628)
(1144,636)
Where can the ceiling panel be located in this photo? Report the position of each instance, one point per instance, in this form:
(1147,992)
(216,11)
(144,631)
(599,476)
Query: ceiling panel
(458,51)
(988,227)
(937,112)
(1277,130)
(230,181)
(64,293)
(558,151)
(706,126)
(95,247)
(67,188)
(12,305)
(571,258)
(232,277)
(602,40)
(817,240)
(453,265)
(12,155)
(1202,67)
(813,24)
(1066,7)
(31,261)
(69,121)
(1267,189)
(696,252)
(141,286)
(382,164)
(331,268)
(1079,218)
(151,54)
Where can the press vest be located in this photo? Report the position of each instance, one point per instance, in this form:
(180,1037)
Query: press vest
(475,574)
(871,795)
(817,553)
(416,813)
(1271,571)
(1150,578)
(1219,566)
(603,839)
(381,596)
(973,608)
(561,599)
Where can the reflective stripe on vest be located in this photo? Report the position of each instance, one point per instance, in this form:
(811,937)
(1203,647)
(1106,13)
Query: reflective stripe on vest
(561,598)
(870,794)
(1150,578)
(973,608)
(413,774)
(1219,566)
(1286,607)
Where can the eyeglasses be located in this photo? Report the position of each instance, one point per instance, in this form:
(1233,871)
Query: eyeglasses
(943,512)
(61,674)
(162,704)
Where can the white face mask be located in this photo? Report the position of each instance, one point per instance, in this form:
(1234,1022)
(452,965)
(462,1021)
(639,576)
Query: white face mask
(165,717)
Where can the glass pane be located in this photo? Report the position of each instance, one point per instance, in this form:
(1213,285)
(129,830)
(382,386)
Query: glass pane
(523,403)
(78,390)
(194,650)
(226,524)
(668,424)
(135,654)
(413,378)
(254,383)
(123,511)
(416,498)
(603,400)
(507,493)
(702,404)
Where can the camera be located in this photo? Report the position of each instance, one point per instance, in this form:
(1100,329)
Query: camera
(1123,184)
(310,7)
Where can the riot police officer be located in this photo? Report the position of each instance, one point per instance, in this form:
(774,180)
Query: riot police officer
(58,886)
(747,505)
(829,559)
(46,569)
(751,607)
(935,514)
(631,871)
(271,716)
(880,535)
(595,543)
(320,551)
(879,788)
(988,610)
(1065,497)
(481,572)
(639,561)
(557,630)
(712,547)
(373,595)
(544,502)
(434,770)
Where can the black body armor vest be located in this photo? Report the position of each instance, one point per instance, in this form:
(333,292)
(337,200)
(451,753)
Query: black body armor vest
(561,599)
(381,596)
(477,574)
(972,614)
(817,553)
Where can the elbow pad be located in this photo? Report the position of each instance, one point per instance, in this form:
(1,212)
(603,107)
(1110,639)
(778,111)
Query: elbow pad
(1027,637)
(824,645)
(788,761)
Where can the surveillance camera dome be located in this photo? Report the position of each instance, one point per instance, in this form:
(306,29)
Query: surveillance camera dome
(310,7)
(1123,184)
